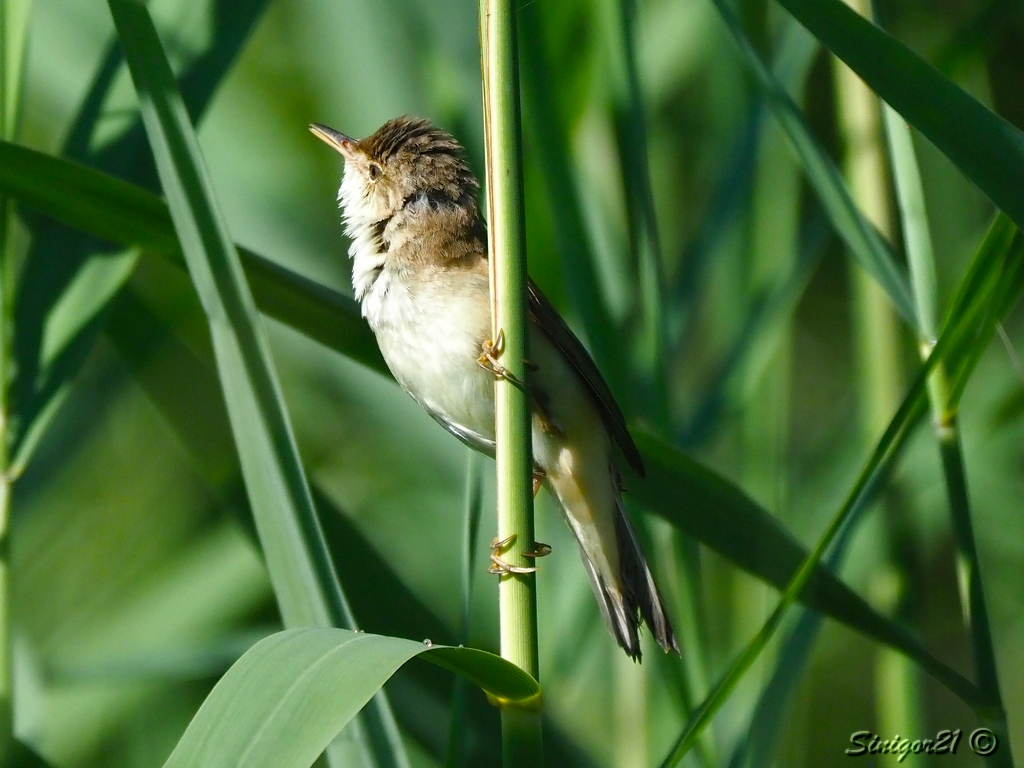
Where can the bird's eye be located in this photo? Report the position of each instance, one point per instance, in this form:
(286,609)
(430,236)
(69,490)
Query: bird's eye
(375,171)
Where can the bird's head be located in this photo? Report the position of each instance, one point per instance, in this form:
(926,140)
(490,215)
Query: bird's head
(404,161)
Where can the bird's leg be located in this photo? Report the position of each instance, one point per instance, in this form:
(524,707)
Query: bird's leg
(488,359)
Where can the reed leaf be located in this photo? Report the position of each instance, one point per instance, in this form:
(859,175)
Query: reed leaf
(300,568)
(285,700)
(984,146)
(864,241)
(997,256)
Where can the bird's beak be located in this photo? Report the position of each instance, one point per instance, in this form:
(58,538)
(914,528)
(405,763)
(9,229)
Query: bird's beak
(339,141)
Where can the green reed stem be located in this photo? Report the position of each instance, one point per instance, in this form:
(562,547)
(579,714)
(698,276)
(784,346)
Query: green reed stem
(7,276)
(470,527)
(920,257)
(13,27)
(516,592)
(6,679)
(878,366)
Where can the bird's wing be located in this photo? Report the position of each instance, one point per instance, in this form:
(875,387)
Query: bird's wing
(544,314)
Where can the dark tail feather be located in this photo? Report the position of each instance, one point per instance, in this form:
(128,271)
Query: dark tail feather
(641,593)
(638,599)
(622,619)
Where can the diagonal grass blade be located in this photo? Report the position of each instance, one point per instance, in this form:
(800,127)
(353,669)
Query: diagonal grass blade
(864,241)
(971,309)
(300,568)
(986,148)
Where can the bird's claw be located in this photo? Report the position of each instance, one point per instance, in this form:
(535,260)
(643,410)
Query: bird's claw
(501,567)
(500,545)
(540,549)
(538,478)
(488,360)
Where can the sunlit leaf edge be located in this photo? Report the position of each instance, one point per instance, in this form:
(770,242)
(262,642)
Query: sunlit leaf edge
(250,718)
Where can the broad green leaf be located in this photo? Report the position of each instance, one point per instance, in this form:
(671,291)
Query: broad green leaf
(283,702)
(301,571)
(863,240)
(279,494)
(94,202)
(60,260)
(986,148)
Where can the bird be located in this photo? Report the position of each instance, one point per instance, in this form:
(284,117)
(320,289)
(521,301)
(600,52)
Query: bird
(420,274)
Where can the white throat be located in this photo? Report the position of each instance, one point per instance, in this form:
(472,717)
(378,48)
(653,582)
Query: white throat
(360,220)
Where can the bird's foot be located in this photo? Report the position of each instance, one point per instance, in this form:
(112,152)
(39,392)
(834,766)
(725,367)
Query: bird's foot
(501,567)
(488,359)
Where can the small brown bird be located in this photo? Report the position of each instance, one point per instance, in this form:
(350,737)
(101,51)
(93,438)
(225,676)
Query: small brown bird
(419,269)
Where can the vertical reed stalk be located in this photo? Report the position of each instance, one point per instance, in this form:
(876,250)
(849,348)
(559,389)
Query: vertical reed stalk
(12,29)
(764,432)
(6,671)
(920,256)
(471,526)
(517,592)
(630,723)
(6,679)
(877,347)
(619,20)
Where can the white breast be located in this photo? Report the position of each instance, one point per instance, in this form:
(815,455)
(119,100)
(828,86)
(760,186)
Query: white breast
(430,329)
(430,326)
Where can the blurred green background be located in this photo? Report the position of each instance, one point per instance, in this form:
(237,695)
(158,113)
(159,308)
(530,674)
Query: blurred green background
(136,577)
